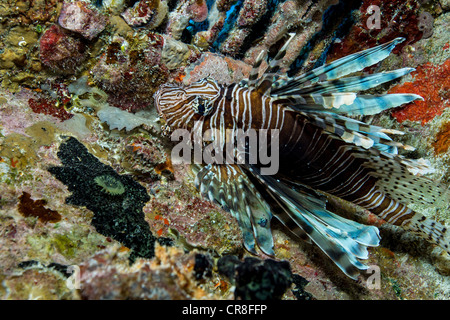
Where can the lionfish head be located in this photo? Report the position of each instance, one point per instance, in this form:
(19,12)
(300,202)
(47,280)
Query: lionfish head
(181,105)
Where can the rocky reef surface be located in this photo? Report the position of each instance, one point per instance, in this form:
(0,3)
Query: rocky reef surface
(87,189)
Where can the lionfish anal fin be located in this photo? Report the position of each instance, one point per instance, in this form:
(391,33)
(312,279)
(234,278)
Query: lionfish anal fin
(343,240)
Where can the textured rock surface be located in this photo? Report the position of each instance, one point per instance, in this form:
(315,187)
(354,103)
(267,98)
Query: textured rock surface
(61,51)
(78,17)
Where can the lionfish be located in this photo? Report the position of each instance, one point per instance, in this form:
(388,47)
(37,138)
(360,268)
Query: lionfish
(323,150)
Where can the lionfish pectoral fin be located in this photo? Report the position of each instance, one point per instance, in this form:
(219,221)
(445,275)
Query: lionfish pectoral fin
(367,105)
(229,186)
(324,89)
(348,84)
(344,241)
(348,103)
(340,96)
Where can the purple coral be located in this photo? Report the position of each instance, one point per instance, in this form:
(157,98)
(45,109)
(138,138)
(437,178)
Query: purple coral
(251,12)
(79,18)
(289,16)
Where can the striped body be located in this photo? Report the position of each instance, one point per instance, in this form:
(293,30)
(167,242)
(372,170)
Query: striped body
(329,164)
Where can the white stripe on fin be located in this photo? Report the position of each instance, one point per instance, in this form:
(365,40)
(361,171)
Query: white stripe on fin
(344,241)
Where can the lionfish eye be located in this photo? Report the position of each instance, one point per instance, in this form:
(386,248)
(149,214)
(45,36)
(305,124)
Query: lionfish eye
(201,106)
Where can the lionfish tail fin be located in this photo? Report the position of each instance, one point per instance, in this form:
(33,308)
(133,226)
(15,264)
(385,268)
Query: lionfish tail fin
(429,229)
(403,181)
(230,188)
(304,213)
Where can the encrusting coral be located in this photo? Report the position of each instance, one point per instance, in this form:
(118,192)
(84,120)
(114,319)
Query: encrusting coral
(60,51)
(431,82)
(130,70)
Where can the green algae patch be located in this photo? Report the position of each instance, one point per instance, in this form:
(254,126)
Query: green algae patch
(66,245)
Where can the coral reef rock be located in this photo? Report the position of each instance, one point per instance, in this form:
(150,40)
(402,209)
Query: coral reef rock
(60,51)
(116,200)
(130,71)
(257,279)
(79,18)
